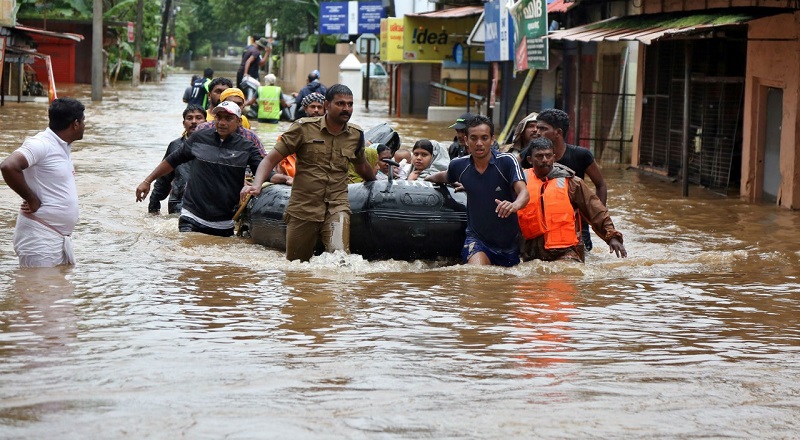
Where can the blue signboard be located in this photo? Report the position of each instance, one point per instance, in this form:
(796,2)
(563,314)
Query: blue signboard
(499,32)
(369,17)
(458,53)
(351,17)
(333,18)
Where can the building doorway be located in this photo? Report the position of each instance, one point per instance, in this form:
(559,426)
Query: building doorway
(772,145)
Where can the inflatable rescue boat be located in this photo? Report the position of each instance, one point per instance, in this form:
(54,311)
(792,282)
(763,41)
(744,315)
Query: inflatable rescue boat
(397,219)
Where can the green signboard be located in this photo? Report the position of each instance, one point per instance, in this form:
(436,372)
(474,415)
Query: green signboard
(530,20)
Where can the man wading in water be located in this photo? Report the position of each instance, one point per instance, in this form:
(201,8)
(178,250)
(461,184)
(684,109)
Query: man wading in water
(319,207)
(216,176)
(41,172)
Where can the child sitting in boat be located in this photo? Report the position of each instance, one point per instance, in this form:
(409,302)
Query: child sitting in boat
(429,157)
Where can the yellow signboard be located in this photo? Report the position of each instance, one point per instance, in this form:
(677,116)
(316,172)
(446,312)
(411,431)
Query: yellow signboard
(392,39)
(430,40)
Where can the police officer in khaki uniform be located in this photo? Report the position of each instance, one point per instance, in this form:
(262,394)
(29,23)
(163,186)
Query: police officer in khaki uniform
(318,206)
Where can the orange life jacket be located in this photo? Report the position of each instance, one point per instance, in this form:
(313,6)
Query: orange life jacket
(549,213)
(289,164)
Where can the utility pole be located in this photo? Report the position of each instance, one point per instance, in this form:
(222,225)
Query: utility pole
(163,39)
(97,51)
(137,47)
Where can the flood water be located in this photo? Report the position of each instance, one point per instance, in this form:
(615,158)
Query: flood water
(157,334)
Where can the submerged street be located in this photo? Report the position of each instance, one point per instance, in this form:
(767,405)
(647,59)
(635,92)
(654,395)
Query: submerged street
(158,334)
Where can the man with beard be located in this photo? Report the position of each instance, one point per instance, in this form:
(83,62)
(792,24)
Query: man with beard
(174,184)
(216,176)
(319,207)
(551,222)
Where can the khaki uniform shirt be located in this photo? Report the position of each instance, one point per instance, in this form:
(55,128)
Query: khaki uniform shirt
(320,181)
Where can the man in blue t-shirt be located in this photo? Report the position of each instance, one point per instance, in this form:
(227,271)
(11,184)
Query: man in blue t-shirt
(496,190)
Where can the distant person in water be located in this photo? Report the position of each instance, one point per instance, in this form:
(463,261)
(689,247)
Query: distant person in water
(187,93)
(200,88)
(252,60)
(314,86)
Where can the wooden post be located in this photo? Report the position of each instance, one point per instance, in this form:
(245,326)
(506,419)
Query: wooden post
(137,46)
(687,73)
(97,50)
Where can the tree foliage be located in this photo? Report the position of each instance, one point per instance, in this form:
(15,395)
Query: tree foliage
(198,23)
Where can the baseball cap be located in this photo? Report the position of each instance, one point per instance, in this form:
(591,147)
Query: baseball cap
(228,106)
(461,122)
(263,42)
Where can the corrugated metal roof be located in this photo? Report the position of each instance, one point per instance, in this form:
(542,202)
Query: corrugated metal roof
(64,35)
(464,11)
(559,6)
(649,28)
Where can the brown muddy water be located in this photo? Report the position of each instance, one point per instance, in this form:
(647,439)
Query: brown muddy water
(157,334)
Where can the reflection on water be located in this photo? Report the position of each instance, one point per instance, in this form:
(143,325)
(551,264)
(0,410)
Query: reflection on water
(166,335)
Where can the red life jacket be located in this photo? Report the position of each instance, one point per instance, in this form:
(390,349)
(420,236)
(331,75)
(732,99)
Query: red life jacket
(549,213)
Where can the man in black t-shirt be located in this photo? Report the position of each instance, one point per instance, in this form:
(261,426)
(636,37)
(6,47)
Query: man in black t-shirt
(554,125)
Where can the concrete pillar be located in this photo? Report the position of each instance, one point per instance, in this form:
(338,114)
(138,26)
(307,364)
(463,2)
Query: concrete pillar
(350,75)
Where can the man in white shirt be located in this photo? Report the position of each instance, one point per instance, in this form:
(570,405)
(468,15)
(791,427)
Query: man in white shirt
(42,173)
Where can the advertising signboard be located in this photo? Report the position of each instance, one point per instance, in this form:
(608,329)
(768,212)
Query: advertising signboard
(429,39)
(530,21)
(499,31)
(392,39)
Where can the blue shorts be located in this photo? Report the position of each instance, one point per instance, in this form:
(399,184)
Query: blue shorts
(473,245)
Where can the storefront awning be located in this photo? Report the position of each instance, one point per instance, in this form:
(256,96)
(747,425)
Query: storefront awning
(461,12)
(63,35)
(649,28)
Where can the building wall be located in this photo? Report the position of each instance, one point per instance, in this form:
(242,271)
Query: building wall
(295,68)
(773,60)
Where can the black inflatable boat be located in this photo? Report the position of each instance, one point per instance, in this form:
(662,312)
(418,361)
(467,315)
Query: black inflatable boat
(402,220)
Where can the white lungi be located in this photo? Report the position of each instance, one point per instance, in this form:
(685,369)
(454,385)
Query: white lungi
(37,245)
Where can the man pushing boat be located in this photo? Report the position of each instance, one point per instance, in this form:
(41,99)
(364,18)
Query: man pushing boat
(318,206)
